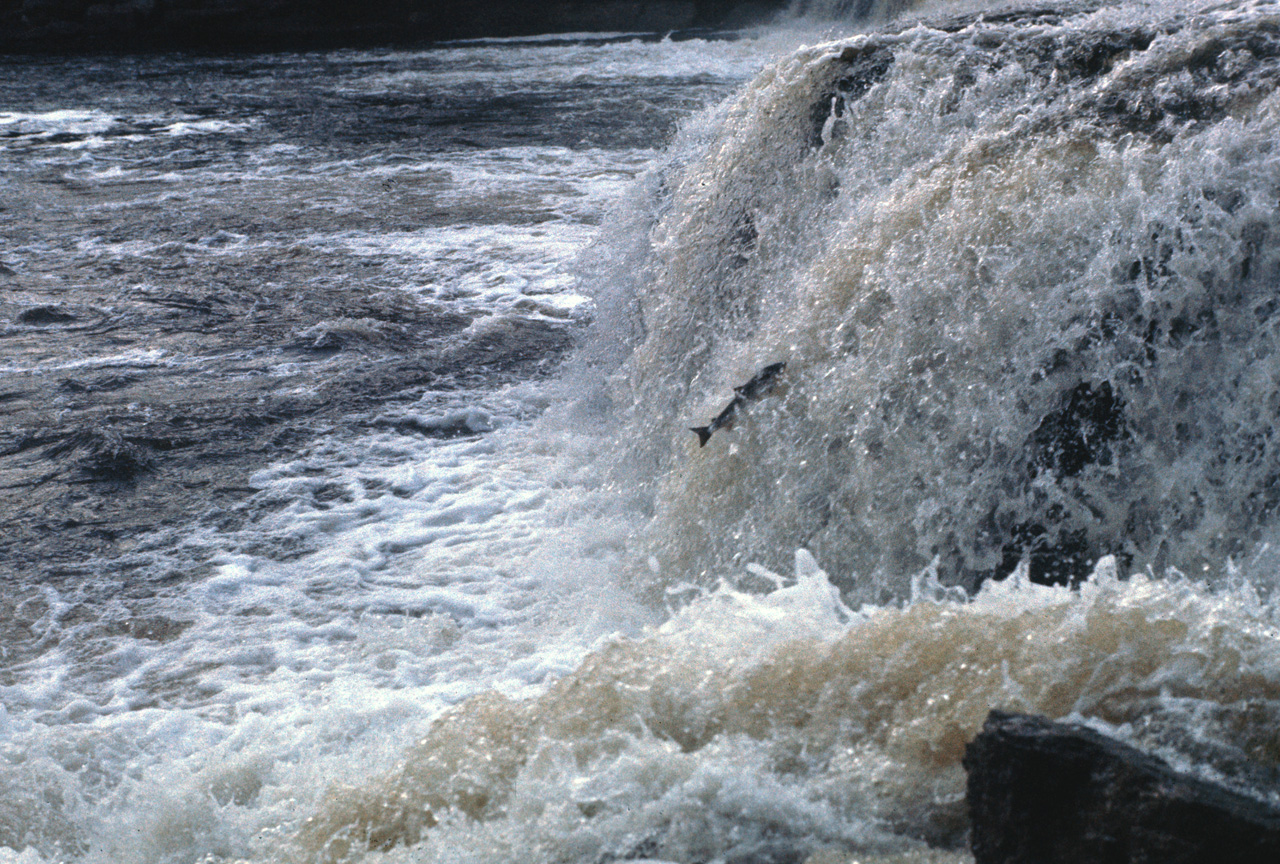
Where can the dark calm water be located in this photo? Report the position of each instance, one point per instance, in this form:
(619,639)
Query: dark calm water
(351,511)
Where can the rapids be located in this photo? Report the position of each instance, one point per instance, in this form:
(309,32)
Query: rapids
(1021,268)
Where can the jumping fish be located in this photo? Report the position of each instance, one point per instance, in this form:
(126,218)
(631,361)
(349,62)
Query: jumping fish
(757,388)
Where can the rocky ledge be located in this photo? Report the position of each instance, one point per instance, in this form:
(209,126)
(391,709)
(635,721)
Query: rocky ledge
(1043,793)
(44,26)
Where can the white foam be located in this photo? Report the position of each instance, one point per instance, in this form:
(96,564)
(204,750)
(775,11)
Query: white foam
(494,267)
(70,121)
(143,358)
(439,573)
(193,126)
(88,128)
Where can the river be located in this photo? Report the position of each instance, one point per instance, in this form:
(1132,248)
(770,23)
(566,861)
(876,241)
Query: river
(353,511)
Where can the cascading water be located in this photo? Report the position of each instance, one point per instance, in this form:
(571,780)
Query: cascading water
(1022,274)
(1021,269)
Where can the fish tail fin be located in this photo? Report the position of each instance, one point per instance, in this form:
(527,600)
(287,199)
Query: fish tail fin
(704,434)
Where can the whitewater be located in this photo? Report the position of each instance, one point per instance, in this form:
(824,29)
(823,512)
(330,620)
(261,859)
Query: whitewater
(451,579)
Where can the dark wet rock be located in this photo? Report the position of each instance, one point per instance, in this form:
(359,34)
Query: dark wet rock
(1041,793)
(1082,432)
(1054,554)
(864,66)
(44,315)
(71,25)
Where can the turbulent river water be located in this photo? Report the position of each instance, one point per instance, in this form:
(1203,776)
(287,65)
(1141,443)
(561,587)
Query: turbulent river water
(352,511)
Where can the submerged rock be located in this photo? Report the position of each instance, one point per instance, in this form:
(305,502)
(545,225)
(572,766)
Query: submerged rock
(44,315)
(1083,432)
(104,454)
(1047,792)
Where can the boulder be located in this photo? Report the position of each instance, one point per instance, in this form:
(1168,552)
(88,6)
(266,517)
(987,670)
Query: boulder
(1041,792)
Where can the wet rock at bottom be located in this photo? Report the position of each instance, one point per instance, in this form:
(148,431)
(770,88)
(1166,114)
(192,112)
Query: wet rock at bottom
(1042,792)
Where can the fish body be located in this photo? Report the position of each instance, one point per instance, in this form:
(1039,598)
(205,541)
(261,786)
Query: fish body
(760,385)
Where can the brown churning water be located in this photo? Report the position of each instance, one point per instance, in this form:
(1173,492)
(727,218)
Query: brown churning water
(723,727)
